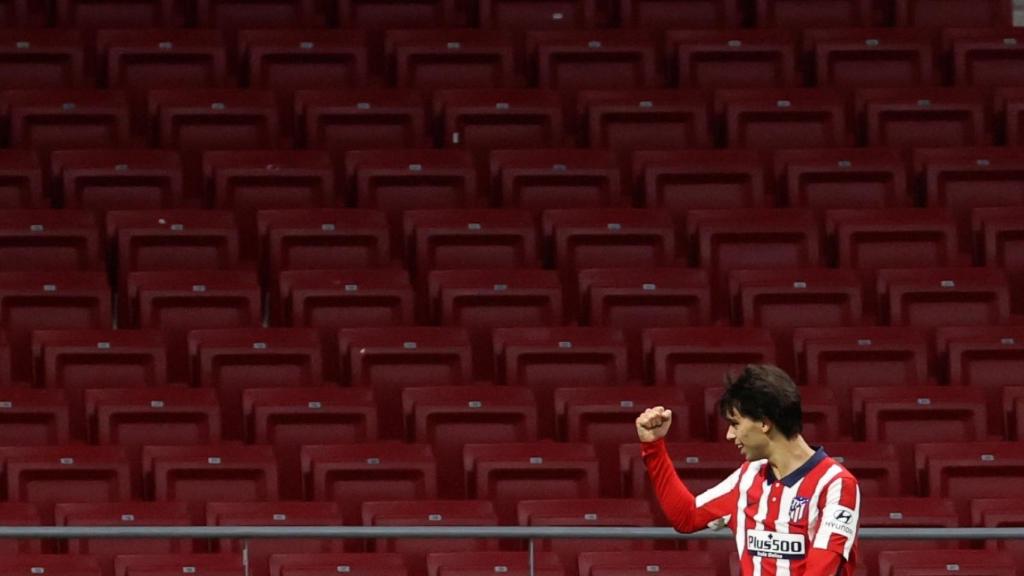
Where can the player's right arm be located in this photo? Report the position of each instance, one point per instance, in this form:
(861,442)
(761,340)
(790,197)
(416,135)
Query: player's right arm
(686,512)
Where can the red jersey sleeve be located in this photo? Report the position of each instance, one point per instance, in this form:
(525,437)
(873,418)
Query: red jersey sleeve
(714,508)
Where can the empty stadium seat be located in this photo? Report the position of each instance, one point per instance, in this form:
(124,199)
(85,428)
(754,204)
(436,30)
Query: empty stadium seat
(632,299)
(289,418)
(999,513)
(117,179)
(21,181)
(965,470)
(586,513)
(876,466)
(259,551)
(342,120)
(996,235)
(462,58)
(687,14)
(931,561)
(543,359)
(903,512)
(33,417)
(43,59)
(847,178)
(782,118)
(19,514)
(50,240)
(47,120)
(593,59)
(322,238)
(784,300)
(368,471)
(509,473)
(429,513)
(983,357)
(325,564)
(216,473)
(667,562)
(859,58)
(195,121)
(953,14)
(304,59)
(247,14)
(474,239)
(450,417)
(49,300)
(649,119)
(529,15)
(983,56)
(679,181)
(51,564)
(715,59)
(893,238)
(801,14)
(231,361)
(496,119)
(93,14)
(125,514)
(538,180)
(609,238)
(932,297)
(924,116)
(482,563)
(174,564)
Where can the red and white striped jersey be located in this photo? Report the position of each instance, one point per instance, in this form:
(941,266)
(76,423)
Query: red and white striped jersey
(805,523)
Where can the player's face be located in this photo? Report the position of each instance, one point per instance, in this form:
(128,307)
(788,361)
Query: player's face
(748,435)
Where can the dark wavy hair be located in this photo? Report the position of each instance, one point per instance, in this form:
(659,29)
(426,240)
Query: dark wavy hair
(763,392)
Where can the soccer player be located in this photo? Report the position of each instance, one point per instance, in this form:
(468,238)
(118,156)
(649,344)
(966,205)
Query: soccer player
(793,509)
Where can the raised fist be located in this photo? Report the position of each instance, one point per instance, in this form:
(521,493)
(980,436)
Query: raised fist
(653,423)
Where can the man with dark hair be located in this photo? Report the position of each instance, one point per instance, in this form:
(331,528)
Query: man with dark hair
(794,510)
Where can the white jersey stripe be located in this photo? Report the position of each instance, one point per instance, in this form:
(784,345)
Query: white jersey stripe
(741,506)
(812,516)
(849,541)
(821,537)
(782,567)
(759,518)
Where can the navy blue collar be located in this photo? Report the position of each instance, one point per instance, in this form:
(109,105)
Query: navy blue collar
(796,475)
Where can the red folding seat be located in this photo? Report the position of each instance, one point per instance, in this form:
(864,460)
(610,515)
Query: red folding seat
(41,59)
(48,120)
(128,515)
(893,238)
(216,473)
(694,359)
(496,119)
(634,299)
(175,564)
(18,514)
(651,119)
(965,470)
(1010,122)
(847,178)
(509,473)
(782,118)
(683,15)
(81,359)
(259,551)
(44,240)
(903,512)
(593,60)
(984,57)
(117,179)
(680,181)
(531,15)
(876,466)
(361,564)
(49,300)
(21,181)
(539,180)
(342,120)
(380,15)
(954,14)
(800,14)
(289,418)
(932,297)
(195,121)
(858,58)
(1000,513)
(609,238)
(701,465)
(31,417)
(666,562)
(369,471)
(924,116)
(986,358)
(714,59)
(234,360)
(65,565)
(439,513)
(135,417)
(177,303)
(254,14)
(96,14)
(602,415)
(450,417)
(247,182)
(542,359)
(481,300)
(996,235)
(322,238)
(724,240)
(474,239)
(463,58)
(46,475)
(388,360)
(932,561)
(289,60)
(484,563)
(587,513)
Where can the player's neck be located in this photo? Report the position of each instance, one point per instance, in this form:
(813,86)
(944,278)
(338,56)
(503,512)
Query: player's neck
(789,454)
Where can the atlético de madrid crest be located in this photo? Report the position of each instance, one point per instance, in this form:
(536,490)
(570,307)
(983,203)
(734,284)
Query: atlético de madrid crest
(798,508)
